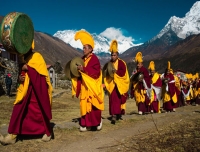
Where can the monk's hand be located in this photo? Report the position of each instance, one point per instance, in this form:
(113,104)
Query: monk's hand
(80,67)
(114,70)
(21,78)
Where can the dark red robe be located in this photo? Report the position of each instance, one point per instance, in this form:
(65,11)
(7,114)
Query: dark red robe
(33,114)
(115,99)
(154,104)
(197,99)
(93,69)
(144,107)
(168,106)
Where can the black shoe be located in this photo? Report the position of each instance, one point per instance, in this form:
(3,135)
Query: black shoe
(113,120)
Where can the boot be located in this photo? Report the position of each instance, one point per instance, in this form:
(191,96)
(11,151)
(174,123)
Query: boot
(113,120)
(46,138)
(99,127)
(1,138)
(9,139)
(83,129)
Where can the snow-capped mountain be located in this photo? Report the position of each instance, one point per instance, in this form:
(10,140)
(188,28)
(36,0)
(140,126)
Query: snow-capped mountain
(183,27)
(102,41)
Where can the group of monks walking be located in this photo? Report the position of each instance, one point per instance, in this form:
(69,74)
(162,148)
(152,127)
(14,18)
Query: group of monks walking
(32,108)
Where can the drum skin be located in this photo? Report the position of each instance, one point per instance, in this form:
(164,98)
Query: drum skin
(16,33)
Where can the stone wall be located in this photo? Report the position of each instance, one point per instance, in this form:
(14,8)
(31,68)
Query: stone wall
(8,66)
(62,82)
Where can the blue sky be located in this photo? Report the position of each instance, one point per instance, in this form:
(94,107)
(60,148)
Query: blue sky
(140,19)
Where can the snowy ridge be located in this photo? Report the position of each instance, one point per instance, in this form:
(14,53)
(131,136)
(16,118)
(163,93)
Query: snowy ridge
(186,26)
(102,41)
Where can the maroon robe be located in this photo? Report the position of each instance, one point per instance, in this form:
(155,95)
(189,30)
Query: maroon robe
(33,114)
(168,106)
(197,99)
(144,107)
(93,69)
(115,99)
(154,104)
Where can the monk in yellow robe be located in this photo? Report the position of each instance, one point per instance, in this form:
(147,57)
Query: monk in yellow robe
(141,87)
(156,84)
(117,86)
(89,86)
(32,107)
(168,90)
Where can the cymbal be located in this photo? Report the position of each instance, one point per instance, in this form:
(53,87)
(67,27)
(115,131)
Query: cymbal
(73,66)
(104,70)
(108,70)
(67,70)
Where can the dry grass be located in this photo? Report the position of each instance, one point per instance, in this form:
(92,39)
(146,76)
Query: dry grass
(182,137)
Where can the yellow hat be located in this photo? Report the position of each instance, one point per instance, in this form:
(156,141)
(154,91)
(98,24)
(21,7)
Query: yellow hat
(114,46)
(171,71)
(168,65)
(138,57)
(33,45)
(85,38)
(187,76)
(151,66)
(197,75)
(194,77)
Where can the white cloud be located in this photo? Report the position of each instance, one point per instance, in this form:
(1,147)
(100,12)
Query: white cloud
(115,33)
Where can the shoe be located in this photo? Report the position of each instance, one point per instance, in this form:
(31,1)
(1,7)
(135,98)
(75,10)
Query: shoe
(1,138)
(151,111)
(99,127)
(140,112)
(46,138)
(174,110)
(113,120)
(9,139)
(89,128)
(82,129)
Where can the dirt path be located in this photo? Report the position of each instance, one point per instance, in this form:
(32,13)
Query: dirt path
(67,137)
(102,142)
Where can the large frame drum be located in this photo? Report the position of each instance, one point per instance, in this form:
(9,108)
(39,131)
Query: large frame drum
(16,33)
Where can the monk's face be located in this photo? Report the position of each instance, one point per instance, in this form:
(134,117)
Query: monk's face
(114,56)
(152,72)
(87,50)
(168,72)
(139,65)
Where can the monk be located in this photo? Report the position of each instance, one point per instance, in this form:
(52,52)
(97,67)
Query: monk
(168,90)
(141,88)
(197,90)
(117,86)
(32,108)
(89,86)
(156,84)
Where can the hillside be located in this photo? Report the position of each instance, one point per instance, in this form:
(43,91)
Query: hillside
(183,55)
(54,49)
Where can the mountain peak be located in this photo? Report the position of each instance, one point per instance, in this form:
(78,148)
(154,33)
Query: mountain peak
(183,27)
(102,40)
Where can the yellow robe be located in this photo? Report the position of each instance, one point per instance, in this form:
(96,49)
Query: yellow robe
(37,62)
(91,92)
(121,82)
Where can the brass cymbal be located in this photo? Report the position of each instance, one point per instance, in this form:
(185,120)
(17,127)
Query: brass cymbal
(67,70)
(104,70)
(73,66)
(108,70)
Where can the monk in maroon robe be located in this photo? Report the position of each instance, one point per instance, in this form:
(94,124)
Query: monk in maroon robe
(32,115)
(169,96)
(116,100)
(144,107)
(93,70)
